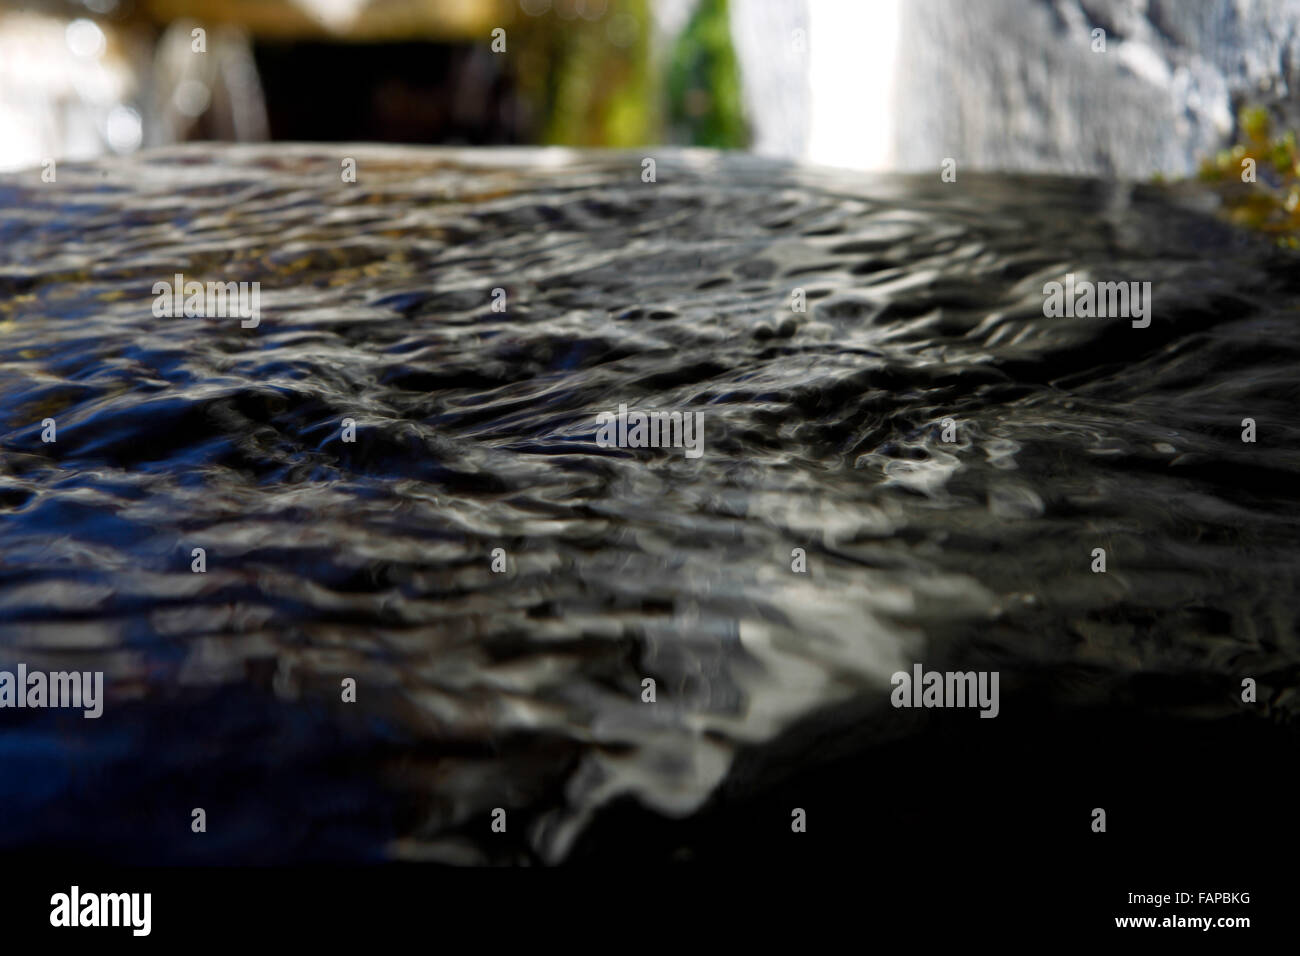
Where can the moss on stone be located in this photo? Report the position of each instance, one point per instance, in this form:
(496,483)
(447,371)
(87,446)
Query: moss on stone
(1271,203)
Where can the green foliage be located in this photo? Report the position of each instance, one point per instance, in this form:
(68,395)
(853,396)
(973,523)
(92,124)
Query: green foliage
(704,98)
(583,89)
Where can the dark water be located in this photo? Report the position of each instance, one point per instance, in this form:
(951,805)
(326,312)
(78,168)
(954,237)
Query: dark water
(475,431)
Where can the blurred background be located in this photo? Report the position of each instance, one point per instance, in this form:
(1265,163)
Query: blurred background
(867,84)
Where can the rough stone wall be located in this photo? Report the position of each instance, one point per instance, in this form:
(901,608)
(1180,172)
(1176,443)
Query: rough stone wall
(1015,84)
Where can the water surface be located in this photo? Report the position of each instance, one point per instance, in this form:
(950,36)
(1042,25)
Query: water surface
(475,431)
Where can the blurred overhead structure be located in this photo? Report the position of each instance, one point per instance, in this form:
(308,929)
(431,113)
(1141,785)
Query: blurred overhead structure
(356,20)
(117,75)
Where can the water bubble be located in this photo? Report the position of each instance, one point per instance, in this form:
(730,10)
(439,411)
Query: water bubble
(85,38)
(124,129)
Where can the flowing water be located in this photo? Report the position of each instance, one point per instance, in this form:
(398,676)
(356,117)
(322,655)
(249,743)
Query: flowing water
(475,430)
